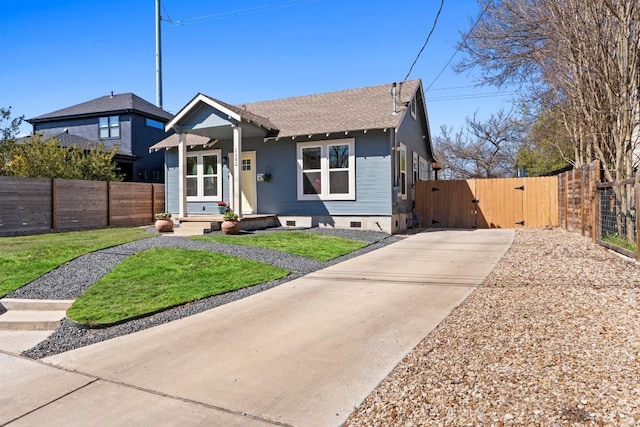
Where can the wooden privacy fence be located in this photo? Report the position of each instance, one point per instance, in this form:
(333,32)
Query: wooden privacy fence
(32,205)
(576,196)
(488,203)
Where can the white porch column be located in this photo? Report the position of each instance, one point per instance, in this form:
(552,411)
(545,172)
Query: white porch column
(237,170)
(182,171)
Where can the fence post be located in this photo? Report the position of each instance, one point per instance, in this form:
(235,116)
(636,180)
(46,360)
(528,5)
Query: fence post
(54,219)
(109,204)
(637,205)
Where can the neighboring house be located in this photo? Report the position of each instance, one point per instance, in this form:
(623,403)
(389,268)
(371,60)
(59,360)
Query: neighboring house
(346,159)
(123,119)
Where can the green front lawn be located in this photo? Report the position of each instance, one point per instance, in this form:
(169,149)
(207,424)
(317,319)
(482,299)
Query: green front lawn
(25,258)
(309,245)
(157,279)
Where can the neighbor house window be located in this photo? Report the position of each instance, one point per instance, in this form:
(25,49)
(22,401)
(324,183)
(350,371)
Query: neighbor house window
(403,170)
(154,123)
(109,127)
(203,176)
(415,168)
(412,106)
(326,170)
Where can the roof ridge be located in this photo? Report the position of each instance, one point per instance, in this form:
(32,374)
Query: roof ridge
(333,92)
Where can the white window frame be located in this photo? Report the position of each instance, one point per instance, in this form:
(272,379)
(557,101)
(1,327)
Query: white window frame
(416,167)
(423,169)
(200,197)
(325,170)
(401,171)
(113,124)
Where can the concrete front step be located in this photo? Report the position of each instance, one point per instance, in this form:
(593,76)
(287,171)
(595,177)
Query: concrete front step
(31,320)
(190,231)
(34,304)
(32,314)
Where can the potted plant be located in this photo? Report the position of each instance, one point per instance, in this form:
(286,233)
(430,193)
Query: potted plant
(230,225)
(163,222)
(222,206)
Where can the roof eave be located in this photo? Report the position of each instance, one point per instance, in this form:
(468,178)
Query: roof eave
(95,114)
(328,133)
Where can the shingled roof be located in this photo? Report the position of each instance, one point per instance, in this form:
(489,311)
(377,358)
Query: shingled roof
(342,111)
(109,104)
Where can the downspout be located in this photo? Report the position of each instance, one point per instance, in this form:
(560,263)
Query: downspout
(394,167)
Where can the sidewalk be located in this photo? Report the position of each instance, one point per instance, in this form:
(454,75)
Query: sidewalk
(304,353)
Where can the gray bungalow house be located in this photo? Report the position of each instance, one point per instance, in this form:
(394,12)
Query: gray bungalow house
(124,119)
(346,159)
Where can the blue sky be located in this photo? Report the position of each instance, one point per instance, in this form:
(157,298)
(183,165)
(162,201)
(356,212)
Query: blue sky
(57,53)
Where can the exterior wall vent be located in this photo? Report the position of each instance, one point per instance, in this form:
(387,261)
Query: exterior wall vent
(355,224)
(291,223)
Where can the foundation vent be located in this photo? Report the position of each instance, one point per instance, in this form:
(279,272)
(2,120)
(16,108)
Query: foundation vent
(291,223)
(355,224)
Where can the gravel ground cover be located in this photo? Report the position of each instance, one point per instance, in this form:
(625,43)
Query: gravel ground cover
(70,280)
(551,338)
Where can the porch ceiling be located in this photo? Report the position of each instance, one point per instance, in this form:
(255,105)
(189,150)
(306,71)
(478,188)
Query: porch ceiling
(225,131)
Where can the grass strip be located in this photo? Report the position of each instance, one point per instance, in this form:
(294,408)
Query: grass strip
(25,258)
(617,240)
(309,245)
(157,279)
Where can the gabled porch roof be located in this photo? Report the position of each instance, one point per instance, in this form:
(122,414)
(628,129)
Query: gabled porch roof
(212,118)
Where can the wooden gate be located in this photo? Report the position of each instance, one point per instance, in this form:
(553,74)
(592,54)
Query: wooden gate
(488,203)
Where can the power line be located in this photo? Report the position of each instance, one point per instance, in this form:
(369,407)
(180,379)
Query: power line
(167,13)
(433,27)
(472,96)
(454,87)
(486,6)
(239,12)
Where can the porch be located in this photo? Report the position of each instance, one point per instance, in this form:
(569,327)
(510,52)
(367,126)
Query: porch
(197,225)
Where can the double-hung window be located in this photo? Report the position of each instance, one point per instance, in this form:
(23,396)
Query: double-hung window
(203,176)
(403,171)
(326,170)
(109,127)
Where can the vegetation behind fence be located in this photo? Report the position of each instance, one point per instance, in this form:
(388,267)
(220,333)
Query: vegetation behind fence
(33,205)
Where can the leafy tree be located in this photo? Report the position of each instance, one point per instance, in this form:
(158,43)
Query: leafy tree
(47,159)
(9,129)
(487,149)
(547,147)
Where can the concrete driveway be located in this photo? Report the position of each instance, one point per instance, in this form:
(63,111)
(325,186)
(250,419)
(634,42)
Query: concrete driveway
(304,353)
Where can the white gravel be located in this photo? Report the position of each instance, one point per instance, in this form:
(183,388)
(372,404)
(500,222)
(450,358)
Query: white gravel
(551,338)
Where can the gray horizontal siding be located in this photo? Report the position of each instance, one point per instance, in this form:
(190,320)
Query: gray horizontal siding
(279,195)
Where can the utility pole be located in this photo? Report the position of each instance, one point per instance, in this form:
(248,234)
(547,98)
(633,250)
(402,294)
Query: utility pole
(158,56)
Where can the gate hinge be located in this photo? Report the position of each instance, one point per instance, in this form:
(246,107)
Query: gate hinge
(520,223)
(475,201)
(520,188)
(434,189)
(433,221)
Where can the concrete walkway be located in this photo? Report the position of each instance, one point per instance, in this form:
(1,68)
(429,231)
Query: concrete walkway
(304,353)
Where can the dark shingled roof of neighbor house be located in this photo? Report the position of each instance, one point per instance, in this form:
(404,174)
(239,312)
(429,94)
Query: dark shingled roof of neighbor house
(109,104)
(341,111)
